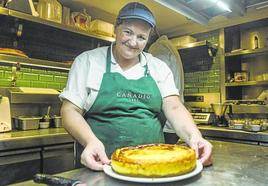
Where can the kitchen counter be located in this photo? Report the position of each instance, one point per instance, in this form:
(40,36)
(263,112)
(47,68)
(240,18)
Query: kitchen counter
(32,138)
(234,164)
(224,133)
(51,136)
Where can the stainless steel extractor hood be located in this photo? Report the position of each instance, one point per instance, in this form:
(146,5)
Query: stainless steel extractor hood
(201,11)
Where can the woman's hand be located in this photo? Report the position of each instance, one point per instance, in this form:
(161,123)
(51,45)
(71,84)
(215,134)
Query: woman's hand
(94,156)
(203,150)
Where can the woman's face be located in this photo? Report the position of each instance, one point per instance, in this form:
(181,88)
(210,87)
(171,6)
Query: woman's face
(131,38)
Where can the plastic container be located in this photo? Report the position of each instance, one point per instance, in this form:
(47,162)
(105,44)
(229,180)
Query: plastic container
(50,10)
(101,27)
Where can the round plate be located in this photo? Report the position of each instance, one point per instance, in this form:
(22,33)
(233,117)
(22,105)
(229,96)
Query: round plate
(109,171)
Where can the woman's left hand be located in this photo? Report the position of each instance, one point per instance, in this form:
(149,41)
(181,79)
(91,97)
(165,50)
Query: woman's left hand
(203,150)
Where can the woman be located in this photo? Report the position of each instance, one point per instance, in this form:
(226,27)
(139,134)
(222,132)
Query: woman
(114,95)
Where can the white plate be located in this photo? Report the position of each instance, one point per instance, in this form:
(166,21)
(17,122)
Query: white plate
(109,171)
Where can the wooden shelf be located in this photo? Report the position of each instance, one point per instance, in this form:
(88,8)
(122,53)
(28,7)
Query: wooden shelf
(246,83)
(28,17)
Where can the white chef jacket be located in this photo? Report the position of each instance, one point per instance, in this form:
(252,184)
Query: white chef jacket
(86,74)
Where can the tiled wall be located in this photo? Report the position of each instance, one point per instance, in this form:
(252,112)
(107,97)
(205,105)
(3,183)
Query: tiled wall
(202,74)
(31,77)
(41,42)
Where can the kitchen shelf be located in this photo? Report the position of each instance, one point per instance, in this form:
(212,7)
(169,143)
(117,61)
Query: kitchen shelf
(198,44)
(8,59)
(210,48)
(3,11)
(248,52)
(246,83)
(27,17)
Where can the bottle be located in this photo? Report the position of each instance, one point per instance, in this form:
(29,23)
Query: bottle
(256,42)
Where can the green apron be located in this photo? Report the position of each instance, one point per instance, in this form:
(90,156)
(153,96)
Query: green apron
(125,112)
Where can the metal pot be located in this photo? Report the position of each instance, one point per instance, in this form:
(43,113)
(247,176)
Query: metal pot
(56,121)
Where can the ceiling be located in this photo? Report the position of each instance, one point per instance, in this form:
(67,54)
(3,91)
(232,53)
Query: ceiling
(175,24)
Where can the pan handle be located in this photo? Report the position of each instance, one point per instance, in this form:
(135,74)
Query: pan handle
(54,180)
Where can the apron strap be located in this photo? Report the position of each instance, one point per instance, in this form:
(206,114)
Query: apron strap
(108,60)
(146,71)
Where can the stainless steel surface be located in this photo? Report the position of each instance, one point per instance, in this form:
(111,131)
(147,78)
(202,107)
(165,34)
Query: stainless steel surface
(224,133)
(19,165)
(58,158)
(234,164)
(248,52)
(204,43)
(205,47)
(27,122)
(246,83)
(25,153)
(31,138)
(253,109)
(8,59)
(36,95)
(56,121)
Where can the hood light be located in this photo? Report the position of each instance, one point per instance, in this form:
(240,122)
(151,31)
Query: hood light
(221,5)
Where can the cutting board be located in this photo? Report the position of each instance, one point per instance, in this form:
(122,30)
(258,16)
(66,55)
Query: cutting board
(5,117)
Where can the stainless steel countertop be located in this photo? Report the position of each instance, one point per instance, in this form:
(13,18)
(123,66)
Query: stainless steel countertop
(235,135)
(32,138)
(234,164)
(41,137)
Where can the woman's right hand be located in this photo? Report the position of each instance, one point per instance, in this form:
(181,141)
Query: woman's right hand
(94,156)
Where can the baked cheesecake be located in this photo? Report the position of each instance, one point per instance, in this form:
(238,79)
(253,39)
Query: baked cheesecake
(153,160)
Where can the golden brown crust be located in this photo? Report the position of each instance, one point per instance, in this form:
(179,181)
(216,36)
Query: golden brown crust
(154,160)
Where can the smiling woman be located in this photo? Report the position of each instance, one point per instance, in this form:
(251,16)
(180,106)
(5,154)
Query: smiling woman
(115,94)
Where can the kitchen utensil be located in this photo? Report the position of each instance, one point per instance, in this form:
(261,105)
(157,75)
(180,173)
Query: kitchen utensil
(55,180)
(45,121)
(27,122)
(46,117)
(5,118)
(219,109)
(57,121)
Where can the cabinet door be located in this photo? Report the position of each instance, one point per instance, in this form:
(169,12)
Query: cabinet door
(58,158)
(19,165)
